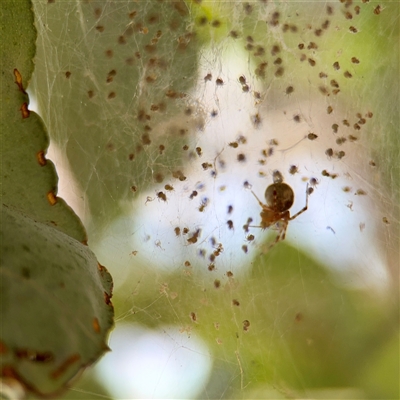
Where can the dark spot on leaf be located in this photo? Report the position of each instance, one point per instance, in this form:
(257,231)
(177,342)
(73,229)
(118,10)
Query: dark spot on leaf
(41,158)
(64,366)
(34,356)
(51,198)
(25,272)
(107,298)
(18,80)
(24,111)
(96,325)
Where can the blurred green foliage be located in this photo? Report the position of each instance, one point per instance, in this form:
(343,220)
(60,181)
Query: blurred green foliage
(292,328)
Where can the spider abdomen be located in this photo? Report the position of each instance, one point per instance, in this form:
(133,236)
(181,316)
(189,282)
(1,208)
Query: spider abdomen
(279,197)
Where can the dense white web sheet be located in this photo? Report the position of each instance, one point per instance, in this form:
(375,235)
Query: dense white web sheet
(340,209)
(160,133)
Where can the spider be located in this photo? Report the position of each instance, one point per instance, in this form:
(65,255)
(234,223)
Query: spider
(275,213)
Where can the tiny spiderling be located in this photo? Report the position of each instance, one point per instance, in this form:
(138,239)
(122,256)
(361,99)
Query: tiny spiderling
(312,136)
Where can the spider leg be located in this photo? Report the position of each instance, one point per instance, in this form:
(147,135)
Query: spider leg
(259,201)
(277,239)
(266,249)
(303,209)
(281,235)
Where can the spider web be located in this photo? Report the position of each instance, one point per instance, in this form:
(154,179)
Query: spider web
(163,117)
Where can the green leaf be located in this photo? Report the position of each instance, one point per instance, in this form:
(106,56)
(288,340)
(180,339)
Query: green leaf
(28,180)
(55,304)
(55,297)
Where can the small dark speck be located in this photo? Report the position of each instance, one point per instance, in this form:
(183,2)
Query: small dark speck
(26,273)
